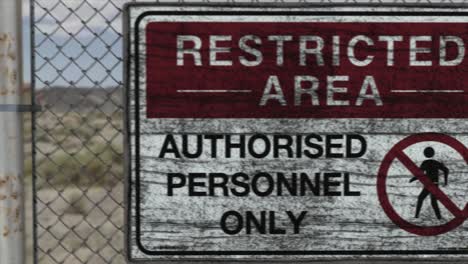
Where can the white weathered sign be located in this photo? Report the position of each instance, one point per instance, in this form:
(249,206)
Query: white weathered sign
(296,133)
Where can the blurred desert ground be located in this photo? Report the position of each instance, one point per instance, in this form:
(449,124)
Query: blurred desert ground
(79,170)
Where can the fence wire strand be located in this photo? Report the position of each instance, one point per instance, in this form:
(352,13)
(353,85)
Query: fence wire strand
(77,138)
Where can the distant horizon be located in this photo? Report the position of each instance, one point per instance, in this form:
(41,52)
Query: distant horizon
(79,87)
(73,74)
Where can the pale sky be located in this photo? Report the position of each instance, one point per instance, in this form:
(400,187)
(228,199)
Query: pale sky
(96,75)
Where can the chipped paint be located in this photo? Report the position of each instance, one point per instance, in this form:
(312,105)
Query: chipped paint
(11,154)
(8,71)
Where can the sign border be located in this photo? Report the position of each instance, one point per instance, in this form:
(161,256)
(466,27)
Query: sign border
(128,145)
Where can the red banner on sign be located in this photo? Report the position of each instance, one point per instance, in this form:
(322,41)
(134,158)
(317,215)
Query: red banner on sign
(306,70)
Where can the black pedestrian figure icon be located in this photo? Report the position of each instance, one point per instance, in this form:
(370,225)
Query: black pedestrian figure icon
(431,168)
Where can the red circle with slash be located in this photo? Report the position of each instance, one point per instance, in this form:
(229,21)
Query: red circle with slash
(396,153)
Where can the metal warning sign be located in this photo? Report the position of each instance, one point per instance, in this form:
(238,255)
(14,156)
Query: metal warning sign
(296,133)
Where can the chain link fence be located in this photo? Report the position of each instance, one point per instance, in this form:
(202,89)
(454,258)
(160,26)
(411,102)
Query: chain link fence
(77,137)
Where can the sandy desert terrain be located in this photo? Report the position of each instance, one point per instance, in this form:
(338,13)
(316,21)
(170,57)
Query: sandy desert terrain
(79,176)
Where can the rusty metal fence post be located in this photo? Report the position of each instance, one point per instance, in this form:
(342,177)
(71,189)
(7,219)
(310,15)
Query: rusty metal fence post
(11,141)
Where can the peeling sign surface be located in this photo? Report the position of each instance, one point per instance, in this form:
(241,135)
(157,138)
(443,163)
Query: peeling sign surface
(273,133)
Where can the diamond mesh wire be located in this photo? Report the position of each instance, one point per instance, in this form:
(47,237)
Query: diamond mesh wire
(77,138)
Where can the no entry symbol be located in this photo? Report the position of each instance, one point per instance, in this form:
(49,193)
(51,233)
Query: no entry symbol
(396,153)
